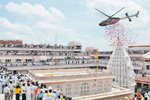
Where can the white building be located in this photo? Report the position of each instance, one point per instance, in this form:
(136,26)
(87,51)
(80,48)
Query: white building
(121,67)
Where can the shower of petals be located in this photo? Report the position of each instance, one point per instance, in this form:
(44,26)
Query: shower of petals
(126,35)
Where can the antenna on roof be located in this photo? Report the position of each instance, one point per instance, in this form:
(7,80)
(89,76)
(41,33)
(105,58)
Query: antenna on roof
(55,39)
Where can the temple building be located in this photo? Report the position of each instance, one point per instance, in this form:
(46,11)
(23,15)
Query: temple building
(121,67)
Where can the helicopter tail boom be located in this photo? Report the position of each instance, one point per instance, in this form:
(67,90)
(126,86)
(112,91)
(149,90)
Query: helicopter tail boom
(129,17)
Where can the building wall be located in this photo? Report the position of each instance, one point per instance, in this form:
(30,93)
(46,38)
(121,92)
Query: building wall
(83,87)
(146,68)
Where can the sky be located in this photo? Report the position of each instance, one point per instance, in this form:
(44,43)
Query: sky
(40,21)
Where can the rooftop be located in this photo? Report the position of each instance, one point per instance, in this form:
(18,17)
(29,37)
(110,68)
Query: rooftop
(142,45)
(146,56)
(91,49)
(61,75)
(142,79)
(74,43)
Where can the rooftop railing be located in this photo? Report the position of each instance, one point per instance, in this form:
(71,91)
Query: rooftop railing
(53,63)
(37,46)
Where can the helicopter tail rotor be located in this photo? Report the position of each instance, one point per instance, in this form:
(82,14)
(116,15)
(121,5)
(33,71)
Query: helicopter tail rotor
(128,17)
(137,14)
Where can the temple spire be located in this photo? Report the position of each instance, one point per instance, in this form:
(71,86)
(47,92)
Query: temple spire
(121,67)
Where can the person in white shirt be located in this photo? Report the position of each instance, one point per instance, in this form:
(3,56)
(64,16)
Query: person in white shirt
(7,92)
(11,86)
(58,93)
(146,97)
(28,92)
(3,84)
(53,94)
(50,91)
(59,97)
(48,97)
(23,91)
(13,77)
(33,88)
(45,94)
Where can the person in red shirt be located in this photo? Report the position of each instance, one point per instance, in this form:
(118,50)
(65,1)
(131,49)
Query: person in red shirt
(139,96)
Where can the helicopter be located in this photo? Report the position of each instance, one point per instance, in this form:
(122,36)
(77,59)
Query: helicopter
(112,20)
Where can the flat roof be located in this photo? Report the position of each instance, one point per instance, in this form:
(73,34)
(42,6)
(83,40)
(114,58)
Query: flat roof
(36,49)
(67,75)
(61,72)
(140,45)
(142,79)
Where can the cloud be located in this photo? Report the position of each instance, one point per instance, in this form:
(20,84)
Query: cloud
(1,5)
(53,27)
(14,27)
(16,31)
(36,12)
(64,34)
(40,32)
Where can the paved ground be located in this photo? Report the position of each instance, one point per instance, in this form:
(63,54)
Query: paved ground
(2,97)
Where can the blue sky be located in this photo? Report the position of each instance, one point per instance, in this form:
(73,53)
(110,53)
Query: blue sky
(39,21)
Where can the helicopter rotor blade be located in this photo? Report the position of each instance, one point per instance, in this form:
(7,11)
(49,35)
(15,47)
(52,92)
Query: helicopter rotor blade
(102,12)
(117,12)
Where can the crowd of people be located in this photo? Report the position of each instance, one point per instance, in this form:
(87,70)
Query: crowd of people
(142,96)
(44,53)
(19,44)
(20,87)
(52,62)
(137,62)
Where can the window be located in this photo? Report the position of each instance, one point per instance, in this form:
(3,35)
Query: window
(107,85)
(76,89)
(68,89)
(58,87)
(8,60)
(99,86)
(28,60)
(94,88)
(85,88)
(18,60)
(147,67)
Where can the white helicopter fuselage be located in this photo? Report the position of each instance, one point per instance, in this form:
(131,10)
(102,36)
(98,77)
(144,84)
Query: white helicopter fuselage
(109,21)
(112,20)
